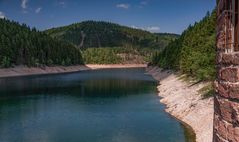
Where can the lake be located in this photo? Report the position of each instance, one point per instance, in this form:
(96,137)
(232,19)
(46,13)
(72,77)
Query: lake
(108,105)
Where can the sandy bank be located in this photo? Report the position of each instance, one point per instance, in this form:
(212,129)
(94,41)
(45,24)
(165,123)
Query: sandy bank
(185,103)
(24,71)
(94,66)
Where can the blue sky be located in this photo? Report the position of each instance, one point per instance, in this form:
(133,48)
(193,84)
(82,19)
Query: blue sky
(171,16)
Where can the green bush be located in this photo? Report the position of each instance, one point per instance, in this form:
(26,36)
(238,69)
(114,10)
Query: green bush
(193,53)
(49,62)
(101,56)
(6,62)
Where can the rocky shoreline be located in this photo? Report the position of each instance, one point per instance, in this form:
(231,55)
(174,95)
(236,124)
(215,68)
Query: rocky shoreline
(184,102)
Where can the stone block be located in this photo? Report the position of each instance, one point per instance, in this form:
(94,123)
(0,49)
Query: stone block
(222,89)
(233,91)
(224,109)
(220,128)
(230,74)
(226,58)
(235,60)
(232,133)
(227,90)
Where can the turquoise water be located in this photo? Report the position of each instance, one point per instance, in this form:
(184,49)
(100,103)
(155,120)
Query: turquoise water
(111,105)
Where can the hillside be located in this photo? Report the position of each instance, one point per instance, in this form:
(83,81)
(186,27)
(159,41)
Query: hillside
(21,45)
(119,55)
(104,34)
(193,53)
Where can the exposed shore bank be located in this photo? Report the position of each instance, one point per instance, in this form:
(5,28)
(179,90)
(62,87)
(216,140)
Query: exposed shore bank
(25,71)
(184,102)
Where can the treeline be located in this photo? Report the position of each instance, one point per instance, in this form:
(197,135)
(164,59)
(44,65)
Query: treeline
(101,56)
(166,38)
(105,34)
(21,45)
(194,52)
(117,55)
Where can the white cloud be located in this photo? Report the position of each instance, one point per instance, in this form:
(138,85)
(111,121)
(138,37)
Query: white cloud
(123,5)
(62,4)
(2,15)
(135,27)
(38,10)
(144,2)
(24,4)
(152,29)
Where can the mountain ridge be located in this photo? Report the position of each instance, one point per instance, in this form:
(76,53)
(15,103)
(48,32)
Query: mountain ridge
(107,34)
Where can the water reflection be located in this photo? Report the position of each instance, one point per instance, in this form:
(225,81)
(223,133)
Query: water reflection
(96,106)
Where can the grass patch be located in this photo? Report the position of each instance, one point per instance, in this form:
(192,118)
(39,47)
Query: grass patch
(207,91)
(188,79)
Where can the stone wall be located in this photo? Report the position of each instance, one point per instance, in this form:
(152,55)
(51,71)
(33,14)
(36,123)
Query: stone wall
(226,103)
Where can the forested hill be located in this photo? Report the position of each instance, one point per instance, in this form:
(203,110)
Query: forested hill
(104,34)
(21,45)
(194,52)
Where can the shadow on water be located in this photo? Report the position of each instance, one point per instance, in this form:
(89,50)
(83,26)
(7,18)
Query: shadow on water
(111,105)
(189,133)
